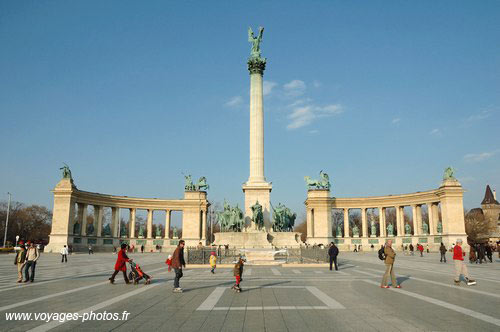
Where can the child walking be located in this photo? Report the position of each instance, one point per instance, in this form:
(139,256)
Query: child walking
(238,272)
(213,262)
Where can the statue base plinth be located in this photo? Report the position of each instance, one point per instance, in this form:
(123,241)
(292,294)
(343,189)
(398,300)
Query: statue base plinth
(338,236)
(373,235)
(141,237)
(157,237)
(356,236)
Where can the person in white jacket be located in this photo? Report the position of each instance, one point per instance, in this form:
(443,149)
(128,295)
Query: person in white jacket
(64,254)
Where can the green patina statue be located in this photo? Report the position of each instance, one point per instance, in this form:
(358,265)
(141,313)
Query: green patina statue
(256,64)
(123,230)
(339,230)
(90,229)
(284,219)
(255,52)
(231,219)
(174,233)
(257,215)
(425,228)
(158,231)
(390,230)
(355,230)
(141,230)
(66,172)
(76,228)
(106,230)
(407,229)
(190,186)
(440,227)
(373,228)
(322,183)
(448,173)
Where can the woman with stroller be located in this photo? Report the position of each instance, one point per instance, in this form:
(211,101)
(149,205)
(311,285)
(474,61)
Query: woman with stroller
(121,264)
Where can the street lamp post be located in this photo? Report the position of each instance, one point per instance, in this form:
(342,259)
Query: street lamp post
(6,221)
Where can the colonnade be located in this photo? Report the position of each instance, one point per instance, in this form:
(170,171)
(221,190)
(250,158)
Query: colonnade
(71,206)
(445,217)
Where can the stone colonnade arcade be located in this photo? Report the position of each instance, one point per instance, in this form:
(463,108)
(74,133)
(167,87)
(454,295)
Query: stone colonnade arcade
(449,196)
(67,197)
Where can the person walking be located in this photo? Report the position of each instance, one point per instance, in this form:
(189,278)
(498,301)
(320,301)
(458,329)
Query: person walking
(460,267)
(90,250)
(142,249)
(442,250)
(177,263)
(489,252)
(213,262)
(333,252)
(32,256)
(390,257)
(238,273)
(121,264)
(20,261)
(412,249)
(64,254)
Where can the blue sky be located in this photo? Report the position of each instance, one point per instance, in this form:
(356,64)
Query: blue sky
(381,95)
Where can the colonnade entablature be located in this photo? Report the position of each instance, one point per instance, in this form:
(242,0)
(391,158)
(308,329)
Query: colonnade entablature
(443,222)
(71,209)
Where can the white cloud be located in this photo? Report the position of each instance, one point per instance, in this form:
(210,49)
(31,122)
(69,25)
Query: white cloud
(316,84)
(396,120)
(435,132)
(295,88)
(314,131)
(478,157)
(267,87)
(305,115)
(479,116)
(234,101)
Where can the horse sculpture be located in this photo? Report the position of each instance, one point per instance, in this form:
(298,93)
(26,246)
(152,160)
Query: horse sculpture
(322,183)
(231,219)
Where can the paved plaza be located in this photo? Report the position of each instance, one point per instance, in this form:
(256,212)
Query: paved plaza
(274,298)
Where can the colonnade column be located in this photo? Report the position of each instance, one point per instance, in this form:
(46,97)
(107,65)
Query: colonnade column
(398,220)
(82,216)
(416,226)
(203,225)
(402,220)
(115,221)
(131,223)
(419,218)
(381,219)
(167,224)
(149,225)
(364,225)
(98,218)
(346,222)
(432,229)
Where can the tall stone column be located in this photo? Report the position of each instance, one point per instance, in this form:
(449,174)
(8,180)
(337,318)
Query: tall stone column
(416,226)
(381,218)
(398,220)
(82,218)
(167,224)
(364,224)
(149,225)
(419,218)
(257,188)
(131,223)
(98,211)
(346,222)
(432,227)
(115,222)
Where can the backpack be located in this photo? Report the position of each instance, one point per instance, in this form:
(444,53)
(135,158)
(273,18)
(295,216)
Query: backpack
(381,254)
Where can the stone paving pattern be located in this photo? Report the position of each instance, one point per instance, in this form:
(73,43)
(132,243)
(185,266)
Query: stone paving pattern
(273,299)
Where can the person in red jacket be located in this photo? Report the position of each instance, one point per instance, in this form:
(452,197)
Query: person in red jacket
(121,264)
(460,267)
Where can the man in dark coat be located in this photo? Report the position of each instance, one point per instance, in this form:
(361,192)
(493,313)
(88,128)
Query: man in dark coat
(442,250)
(177,263)
(121,264)
(333,252)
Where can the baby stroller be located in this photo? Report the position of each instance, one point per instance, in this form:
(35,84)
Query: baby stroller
(136,274)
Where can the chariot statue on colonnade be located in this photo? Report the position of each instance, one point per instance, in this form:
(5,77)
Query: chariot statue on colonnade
(190,186)
(66,172)
(322,183)
(449,173)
